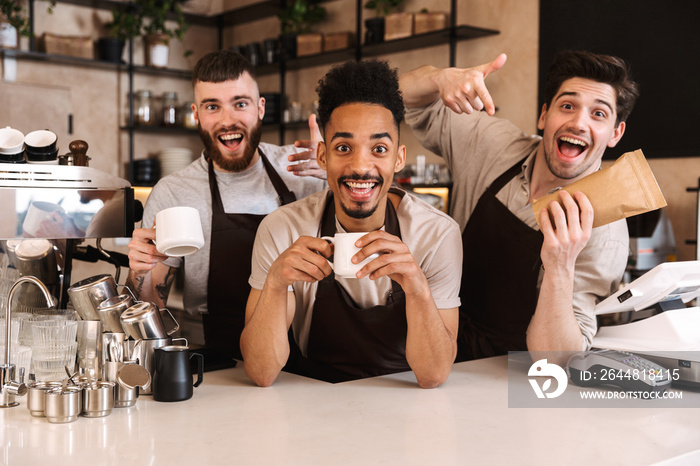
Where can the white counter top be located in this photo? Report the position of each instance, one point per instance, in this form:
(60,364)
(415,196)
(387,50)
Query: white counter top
(384,420)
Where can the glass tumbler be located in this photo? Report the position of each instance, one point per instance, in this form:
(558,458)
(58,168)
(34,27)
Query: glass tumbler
(49,361)
(46,332)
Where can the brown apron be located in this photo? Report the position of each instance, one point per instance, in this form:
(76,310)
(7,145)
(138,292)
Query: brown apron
(231,249)
(347,342)
(499,277)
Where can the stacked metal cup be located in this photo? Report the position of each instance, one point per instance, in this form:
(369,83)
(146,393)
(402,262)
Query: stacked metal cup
(143,321)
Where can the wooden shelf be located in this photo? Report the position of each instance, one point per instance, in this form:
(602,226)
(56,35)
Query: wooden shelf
(62,59)
(92,63)
(428,39)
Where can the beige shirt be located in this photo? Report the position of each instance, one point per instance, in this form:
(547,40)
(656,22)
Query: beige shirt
(478,149)
(431,235)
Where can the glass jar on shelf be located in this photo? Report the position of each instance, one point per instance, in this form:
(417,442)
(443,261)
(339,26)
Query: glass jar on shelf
(144,113)
(188,120)
(170,109)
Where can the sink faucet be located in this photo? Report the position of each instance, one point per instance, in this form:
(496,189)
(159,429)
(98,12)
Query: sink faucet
(9,387)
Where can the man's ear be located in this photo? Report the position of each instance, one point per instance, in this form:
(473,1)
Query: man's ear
(400,159)
(543,114)
(321,155)
(261,108)
(194,111)
(617,134)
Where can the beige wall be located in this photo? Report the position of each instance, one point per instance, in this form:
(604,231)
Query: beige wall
(97,97)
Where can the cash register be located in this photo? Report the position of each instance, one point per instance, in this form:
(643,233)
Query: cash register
(671,336)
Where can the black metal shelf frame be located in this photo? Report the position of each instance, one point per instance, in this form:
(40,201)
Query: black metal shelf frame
(261,10)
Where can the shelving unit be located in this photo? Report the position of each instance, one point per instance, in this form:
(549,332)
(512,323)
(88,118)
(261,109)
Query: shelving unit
(264,9)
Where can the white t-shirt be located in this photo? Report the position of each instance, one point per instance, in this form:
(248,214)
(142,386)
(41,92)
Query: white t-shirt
(431,235)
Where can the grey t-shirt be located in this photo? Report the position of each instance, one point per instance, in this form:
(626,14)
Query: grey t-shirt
(432,237)
(250,192)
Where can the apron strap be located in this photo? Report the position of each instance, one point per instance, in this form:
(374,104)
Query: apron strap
(217,206)
(285,195)
(505,177)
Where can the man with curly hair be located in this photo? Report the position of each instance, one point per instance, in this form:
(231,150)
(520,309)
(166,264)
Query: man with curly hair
(399,312)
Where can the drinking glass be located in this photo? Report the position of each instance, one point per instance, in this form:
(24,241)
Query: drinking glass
(47,332)
(50,360)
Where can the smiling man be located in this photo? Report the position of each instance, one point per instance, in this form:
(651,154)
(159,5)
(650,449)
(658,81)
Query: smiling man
(399,312)
(523,289)
(234,184)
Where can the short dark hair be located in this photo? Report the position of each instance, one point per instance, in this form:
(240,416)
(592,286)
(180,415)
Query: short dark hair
(596,67)
(367,81)
(220,66)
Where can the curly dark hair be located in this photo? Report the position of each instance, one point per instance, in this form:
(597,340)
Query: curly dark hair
(367,81)
(220,66)
(604,69)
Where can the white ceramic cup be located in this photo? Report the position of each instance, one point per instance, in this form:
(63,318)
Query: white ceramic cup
(178,231)
(344,248)
(11,141)
(38,211)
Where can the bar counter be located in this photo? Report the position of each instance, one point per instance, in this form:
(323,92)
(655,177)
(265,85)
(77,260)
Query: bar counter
(383,420)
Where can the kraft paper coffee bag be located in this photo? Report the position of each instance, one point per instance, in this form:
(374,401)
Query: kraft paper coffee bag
(624,189)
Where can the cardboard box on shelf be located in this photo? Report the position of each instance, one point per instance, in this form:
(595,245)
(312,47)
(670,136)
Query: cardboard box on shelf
(398,26)
(337,41)
(74,46)
(309,44)
(428,22)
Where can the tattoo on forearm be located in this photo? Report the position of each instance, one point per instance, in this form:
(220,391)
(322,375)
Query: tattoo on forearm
(163,289)
(135,287)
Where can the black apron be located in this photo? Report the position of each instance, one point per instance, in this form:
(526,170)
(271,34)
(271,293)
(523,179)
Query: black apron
(230,252)
(499,277)
(347,342)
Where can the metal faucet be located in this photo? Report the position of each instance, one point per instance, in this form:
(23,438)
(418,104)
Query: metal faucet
(9,387)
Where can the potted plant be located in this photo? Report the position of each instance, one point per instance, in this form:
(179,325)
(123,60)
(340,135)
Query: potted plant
(14,22)
(374,27)
(126,24)
(157,33)
(297,19)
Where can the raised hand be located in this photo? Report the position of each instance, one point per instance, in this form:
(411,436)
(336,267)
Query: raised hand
(464,90)
(304,163)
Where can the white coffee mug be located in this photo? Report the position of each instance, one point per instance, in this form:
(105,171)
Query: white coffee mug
(344,248)
(178,231)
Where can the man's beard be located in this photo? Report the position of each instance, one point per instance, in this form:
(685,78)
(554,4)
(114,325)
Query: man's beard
(251,140)
(359,212)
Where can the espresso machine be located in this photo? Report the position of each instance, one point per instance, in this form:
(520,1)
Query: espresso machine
(64,204)
(47,211)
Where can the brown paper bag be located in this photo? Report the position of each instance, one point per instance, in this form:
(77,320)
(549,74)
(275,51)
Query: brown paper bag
(624,189)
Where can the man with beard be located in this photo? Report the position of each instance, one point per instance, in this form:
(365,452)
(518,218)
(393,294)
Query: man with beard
(523,289)
(399,312)
(234,184)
